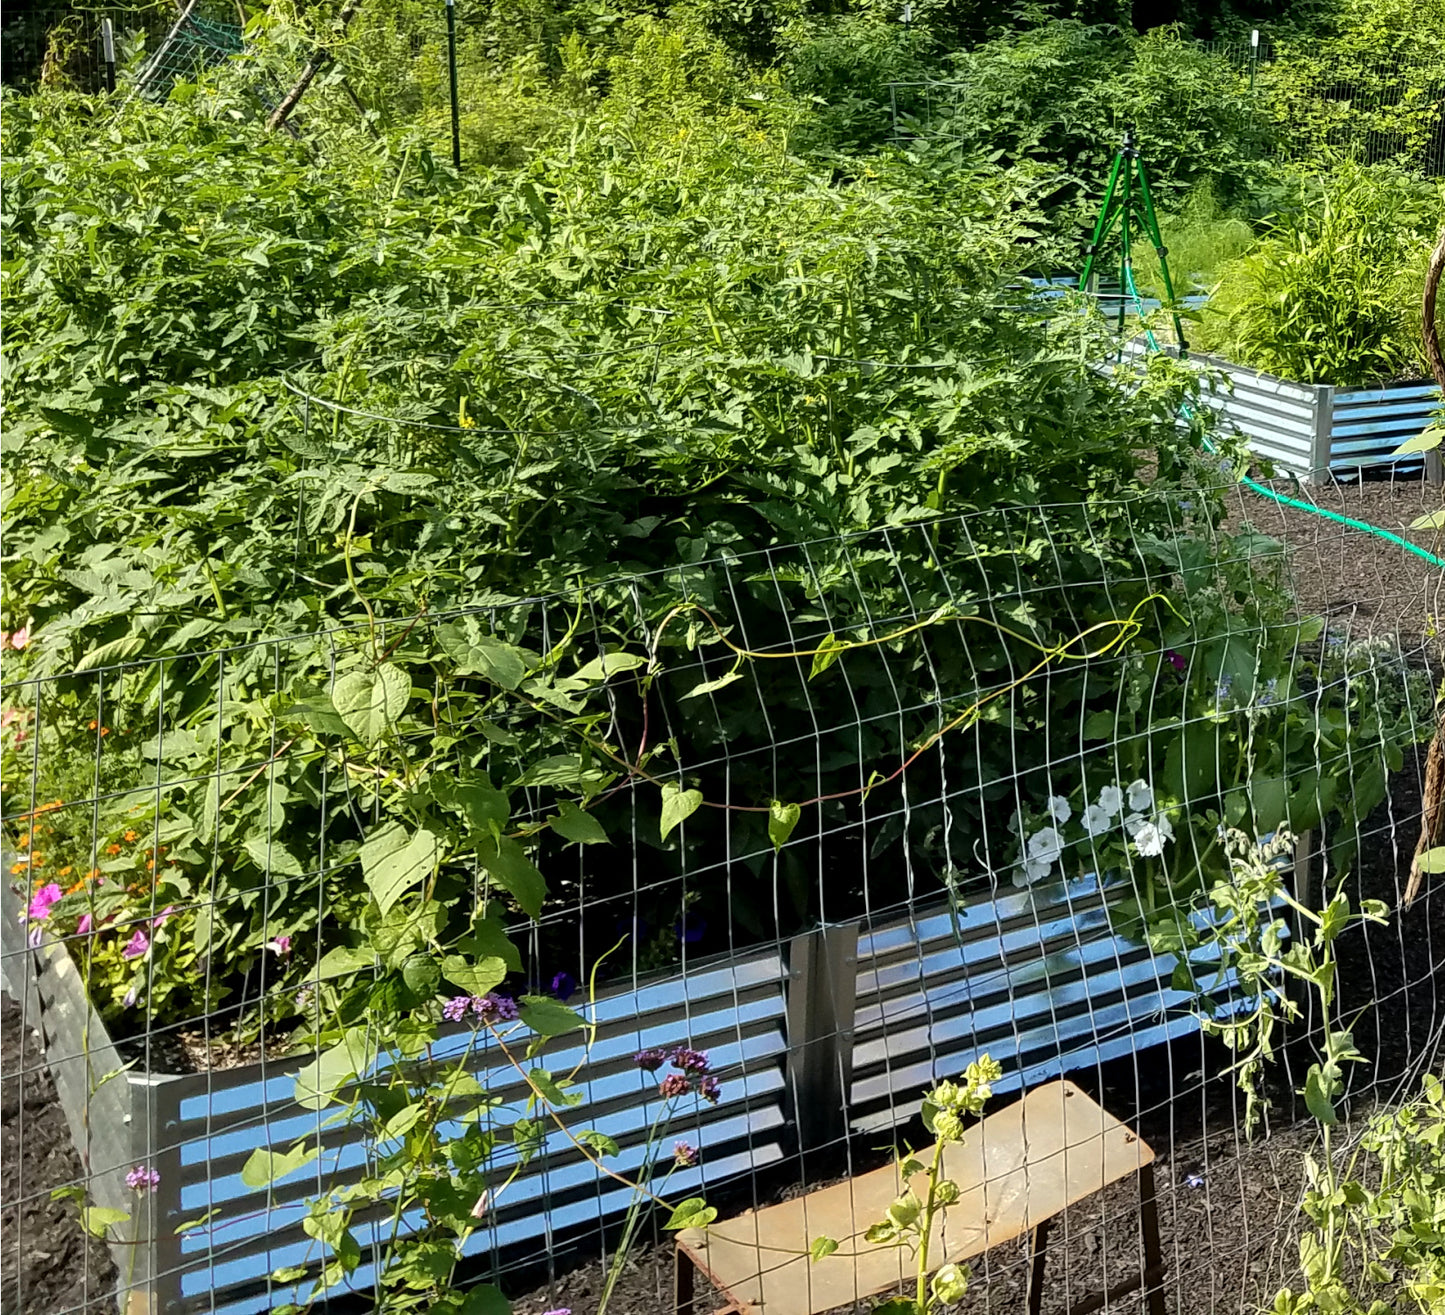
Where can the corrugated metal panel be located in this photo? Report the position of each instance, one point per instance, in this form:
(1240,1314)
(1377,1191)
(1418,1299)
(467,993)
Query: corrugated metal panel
(1369,424)
(1036,978)
(1276,417)
(208,1125)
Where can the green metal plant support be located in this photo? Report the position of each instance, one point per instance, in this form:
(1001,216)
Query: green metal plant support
(1127,202)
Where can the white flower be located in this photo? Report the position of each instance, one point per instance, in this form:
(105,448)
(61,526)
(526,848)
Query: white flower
(1032,871)
(1096,819)
(1111,800)
(1148,840)
(1140,796)
(1059,809)
(1046,846)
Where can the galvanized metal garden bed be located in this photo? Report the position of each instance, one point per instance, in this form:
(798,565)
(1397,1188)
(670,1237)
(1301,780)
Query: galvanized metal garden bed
(834,1034)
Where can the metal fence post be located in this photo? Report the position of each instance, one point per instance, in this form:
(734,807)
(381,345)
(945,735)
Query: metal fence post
(822,993)
(1322,438)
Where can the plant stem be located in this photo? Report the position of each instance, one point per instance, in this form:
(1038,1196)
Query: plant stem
(926,1235)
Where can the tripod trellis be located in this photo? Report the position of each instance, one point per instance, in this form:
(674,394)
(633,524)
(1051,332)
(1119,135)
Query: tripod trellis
(1130,203)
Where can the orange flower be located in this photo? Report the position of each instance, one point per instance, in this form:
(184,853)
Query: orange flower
(112,849)
(16,869)
(79,885)
(130,835)
(150,862)
(93,725)
(65,871)
(93,875)
(37,860)
(24,841)
(51,806)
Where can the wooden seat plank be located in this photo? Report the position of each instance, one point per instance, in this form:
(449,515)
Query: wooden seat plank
(1015,1169)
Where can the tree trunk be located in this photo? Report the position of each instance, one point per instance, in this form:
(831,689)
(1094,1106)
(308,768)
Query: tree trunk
(1432,812)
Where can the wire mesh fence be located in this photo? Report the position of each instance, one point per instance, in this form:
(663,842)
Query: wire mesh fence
(844,815)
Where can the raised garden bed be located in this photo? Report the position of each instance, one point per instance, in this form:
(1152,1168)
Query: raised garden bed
(1035,977)
(1317,432)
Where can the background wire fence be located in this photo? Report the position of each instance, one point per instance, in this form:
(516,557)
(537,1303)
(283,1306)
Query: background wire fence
(211,802)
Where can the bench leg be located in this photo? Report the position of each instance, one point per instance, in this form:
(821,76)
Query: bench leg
(683,1282)
(1038,1241)
(1149,1226)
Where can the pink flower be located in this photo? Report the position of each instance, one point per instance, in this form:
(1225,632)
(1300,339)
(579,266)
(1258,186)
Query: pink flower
(21,637)
(82,928)
(44,897)
(8,715)
(159,920)
(279,945)
(143,1180)
(136,946)
(130,998)
(480,1209)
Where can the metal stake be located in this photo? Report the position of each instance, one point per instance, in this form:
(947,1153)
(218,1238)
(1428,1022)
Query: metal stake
(107,44)
(452,70)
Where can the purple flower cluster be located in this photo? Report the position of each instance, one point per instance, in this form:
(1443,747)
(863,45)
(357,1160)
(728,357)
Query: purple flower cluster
(693,1072)
(685,1155)
(489,1008)
(143,1180)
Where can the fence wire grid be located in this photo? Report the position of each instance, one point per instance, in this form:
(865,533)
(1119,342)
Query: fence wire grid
(183,832)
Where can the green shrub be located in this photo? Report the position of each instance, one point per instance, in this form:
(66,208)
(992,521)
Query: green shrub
(1330,296)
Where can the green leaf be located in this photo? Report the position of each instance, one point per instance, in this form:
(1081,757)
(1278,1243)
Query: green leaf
(552,1090)
(421,975)
(272,858)
(318,1081)
(1432,520)
(822,1246)
(319,713)
(549,1017)
(614,664)
(369,702)
(489,938)
(96,1219)
(577,825)
(485,1299)
(266,1167)
(600,1142)
(498,662)
(711,686)
(1433,861)
(392,862)
(330,1227)
(477,800)
(677,806)
(692,1213)
(343,961)
(403,1121)
(824,658)
(1317,1096)
(118,650)
(782,818)
(507,864)
(1425,441)
(473,978)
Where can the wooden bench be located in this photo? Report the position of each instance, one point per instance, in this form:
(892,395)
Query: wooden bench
(1016,1170)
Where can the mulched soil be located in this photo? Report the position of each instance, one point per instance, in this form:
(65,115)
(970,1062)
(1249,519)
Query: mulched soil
(48,1263)
(1227,1206)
